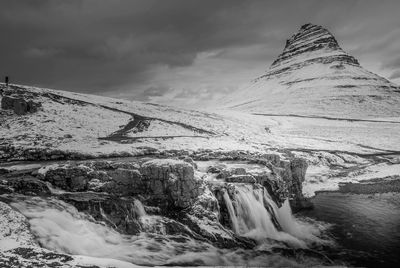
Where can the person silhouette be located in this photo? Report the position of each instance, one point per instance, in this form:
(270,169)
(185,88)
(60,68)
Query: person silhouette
(6,81)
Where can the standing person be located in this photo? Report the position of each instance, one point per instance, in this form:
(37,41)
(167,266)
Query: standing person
(6,81)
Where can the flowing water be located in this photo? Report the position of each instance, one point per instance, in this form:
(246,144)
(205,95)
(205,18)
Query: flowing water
(59,226)
(253,214)
(367,227)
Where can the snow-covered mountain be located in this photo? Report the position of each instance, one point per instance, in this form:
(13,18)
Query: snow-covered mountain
(315,76)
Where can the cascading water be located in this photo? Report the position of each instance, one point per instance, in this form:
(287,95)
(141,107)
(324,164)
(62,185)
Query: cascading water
(138,208)
(59,226)
(256,216)
(231,211)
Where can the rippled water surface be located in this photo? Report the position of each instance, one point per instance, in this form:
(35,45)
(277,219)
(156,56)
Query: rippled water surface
(366,227)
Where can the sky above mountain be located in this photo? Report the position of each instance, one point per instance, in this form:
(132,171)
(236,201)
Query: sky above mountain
(179,51)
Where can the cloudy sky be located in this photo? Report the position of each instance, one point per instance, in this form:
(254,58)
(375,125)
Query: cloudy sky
(180,50)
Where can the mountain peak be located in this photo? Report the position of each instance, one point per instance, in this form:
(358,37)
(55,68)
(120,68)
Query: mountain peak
(315,76)
(311,41)
(314,34)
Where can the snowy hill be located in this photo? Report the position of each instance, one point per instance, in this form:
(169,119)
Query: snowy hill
(314,76)
(100,126)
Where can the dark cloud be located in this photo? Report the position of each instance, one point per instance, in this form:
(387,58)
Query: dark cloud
(118,47)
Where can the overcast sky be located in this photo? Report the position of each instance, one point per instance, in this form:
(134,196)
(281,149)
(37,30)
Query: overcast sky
(183,50)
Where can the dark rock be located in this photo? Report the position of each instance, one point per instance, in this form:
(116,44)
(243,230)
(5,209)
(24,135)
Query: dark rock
(172,181)
(70,178)
(241,179)
(19,105)
(125,182)
(118,213)
(26,185)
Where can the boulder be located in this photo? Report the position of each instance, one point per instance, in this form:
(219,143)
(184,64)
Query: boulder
(172,181)
(70,178)
(19,105)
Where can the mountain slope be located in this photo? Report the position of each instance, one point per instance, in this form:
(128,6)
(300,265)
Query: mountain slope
(314,76)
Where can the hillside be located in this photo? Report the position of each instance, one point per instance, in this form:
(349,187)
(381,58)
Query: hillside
(97,125)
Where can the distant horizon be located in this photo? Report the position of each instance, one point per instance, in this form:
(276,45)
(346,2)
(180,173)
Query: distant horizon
(186,52)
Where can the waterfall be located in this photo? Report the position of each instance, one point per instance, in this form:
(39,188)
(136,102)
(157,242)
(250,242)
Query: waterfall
(256,216)
(61,227)
(301,230)
(138,208)
(231,212)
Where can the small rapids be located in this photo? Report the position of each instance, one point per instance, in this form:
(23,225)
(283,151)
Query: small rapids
(61,227)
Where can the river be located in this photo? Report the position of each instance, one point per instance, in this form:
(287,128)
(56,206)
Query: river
(366,227)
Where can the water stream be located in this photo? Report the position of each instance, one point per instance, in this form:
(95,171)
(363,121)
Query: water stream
(366,227)
(255,215)
(59,226)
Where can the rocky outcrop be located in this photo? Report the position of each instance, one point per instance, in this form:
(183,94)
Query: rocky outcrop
(19,105)
(70,178)
(25,184)
(165,182)
(171,180)
(119,213)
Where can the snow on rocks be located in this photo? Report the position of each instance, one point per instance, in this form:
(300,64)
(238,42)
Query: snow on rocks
(14,231)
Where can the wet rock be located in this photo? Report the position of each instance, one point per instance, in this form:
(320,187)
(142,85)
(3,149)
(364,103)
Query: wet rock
(118,213)
(26,185)
(241,179)
(215,169)
(206,206)
(70,178)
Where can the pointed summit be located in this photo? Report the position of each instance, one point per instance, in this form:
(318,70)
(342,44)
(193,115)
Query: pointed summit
(311,42)
(315,76)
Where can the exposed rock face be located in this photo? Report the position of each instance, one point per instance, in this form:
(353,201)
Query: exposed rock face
(69,178)
(19,105)
(25,184)
(172,178)
(119,213)
(315,76)
(166,182)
